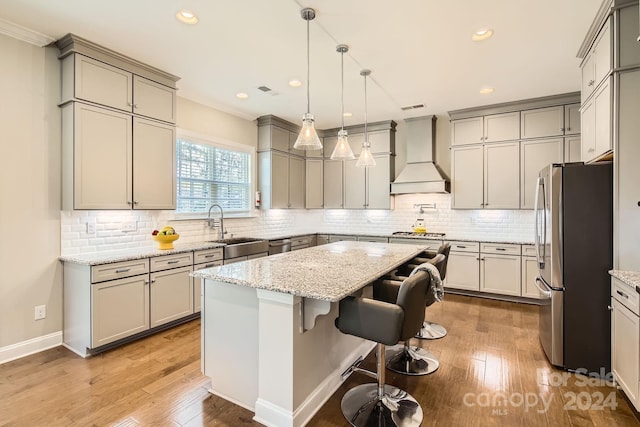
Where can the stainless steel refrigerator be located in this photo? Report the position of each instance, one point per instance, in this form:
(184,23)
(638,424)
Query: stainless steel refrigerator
(574,245)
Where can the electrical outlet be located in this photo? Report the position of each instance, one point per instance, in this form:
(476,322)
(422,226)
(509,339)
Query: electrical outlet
(40,312)
(129,226)
(91,228)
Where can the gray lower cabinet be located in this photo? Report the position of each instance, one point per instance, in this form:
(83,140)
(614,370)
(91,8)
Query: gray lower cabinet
(172,294)
(463,266)
(119,308)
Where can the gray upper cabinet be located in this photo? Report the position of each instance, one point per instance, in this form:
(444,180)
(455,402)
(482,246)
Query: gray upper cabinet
(314,183)
(598,62)
(572,119)
(467,131)
(502,127)
(273,138)
(95,81)
(333,184)
(542,122)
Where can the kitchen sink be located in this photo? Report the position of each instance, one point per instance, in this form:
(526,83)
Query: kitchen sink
(243,246)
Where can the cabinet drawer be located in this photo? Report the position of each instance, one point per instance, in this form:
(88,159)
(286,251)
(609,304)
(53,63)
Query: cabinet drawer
(625,294)
(171,261)
(465,247)
(528,250)
(208,255)
(497,248)
(300,241)
(118,270)
(209,264)
(372,239)
(431,245)
(341,237)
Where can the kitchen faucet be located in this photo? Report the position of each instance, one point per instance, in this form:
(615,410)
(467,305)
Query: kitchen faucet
(212,222)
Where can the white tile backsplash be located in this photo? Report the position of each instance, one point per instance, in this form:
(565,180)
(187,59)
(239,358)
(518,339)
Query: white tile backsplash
(507,225)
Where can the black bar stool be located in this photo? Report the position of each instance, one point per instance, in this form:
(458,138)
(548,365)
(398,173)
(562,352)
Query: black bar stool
(379,404)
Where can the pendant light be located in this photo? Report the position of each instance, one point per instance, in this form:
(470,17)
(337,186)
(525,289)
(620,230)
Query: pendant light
(308,137)
(342,150)
(365,159)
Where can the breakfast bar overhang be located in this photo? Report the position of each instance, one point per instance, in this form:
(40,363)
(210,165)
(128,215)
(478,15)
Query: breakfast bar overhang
(269,343)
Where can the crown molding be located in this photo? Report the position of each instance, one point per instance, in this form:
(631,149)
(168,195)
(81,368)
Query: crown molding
(24,34)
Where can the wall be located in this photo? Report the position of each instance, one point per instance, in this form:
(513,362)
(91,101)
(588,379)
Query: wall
(30,191)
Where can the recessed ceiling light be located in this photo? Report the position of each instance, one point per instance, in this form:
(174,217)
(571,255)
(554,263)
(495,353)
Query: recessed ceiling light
(242,95)
(348,114)
(482,34)
(295,83)
(187,17)
(486,90)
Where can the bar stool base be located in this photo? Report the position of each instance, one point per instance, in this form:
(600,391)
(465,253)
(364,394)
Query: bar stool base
(431,331)
(361,407)
(400,360)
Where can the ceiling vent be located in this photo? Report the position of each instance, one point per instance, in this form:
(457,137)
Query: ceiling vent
(412,107)
(264,88)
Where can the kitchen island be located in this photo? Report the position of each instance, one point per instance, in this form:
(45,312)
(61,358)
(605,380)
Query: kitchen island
(269,342)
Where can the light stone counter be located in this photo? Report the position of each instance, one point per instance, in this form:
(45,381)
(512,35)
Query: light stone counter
(328,272)
(108,257)
(631,278)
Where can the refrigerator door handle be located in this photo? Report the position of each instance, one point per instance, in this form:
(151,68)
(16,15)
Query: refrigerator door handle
(542,287)
(536,211)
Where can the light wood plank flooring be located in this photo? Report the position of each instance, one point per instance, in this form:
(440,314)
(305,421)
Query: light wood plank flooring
(491,350)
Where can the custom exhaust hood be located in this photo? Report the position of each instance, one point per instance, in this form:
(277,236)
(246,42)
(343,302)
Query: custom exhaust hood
(421,174)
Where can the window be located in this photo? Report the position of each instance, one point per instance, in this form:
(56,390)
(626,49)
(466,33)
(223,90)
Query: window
(207,174)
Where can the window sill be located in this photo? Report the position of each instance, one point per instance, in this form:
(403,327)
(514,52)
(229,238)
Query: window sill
(216,215)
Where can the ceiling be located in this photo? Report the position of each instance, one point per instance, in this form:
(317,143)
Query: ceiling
(419,51)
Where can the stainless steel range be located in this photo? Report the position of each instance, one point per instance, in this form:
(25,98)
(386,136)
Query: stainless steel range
(414,234)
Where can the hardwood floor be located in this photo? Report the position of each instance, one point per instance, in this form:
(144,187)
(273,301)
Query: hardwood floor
(491,355)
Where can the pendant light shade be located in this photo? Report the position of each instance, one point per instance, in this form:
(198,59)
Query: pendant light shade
(308,137)
(342,151)
(366,158)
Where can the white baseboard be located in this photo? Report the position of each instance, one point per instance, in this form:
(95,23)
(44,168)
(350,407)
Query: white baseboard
(34,345)
(272,415)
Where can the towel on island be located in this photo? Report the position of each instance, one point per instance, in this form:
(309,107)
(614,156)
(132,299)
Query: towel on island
(436,282)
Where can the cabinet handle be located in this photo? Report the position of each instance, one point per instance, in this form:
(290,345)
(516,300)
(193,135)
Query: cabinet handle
(461,247)
(209,256)
(153,280)
(135,203)
(500,249)
(609,308)
(561,129)
(130,104)
(213,264)
(486,204)
(568,129)
(173,262)
(135,105)
(481,259)
(129,202)
(122,270)
(622,294)
(591,82)
(146,282)
(591,150)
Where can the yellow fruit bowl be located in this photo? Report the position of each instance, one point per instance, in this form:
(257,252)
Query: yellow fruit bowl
(419,230)
(165,241)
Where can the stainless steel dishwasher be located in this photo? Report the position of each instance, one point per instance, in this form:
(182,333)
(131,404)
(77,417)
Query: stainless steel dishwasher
(279,246)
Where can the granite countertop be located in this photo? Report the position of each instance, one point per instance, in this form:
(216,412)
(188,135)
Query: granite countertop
(631,278)
(108,257)
(328,272)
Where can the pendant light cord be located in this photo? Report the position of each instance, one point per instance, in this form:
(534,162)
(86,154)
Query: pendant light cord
(366,141)
(342,85)
(308,66)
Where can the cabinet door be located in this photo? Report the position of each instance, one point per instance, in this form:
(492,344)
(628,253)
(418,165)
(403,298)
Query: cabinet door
(119,308)
(154,165)
(501,176)
(572,149)
(171,293)
(502,127)
(588,80)
(314,198)
(602,100)
(534,155)
(463,271)
(292,141)
(103,84)
(625,345)
(529,274)
(154,100)
(467,131)
(588,135)
(467,177)
(296,182)
(354,185)
(279,180)
(542,122)
(379,183)
(279,139)
(500,274)
(328,145)
(102,164)
(333,189)
(601,52)
(571,119)
(381,142)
